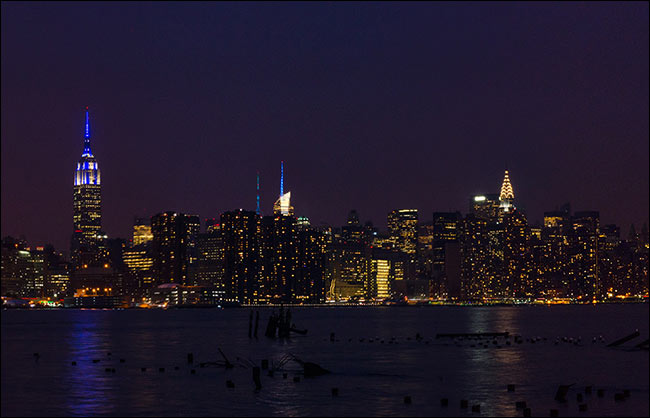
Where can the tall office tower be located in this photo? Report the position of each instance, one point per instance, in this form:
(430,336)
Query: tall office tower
(507,195)
(476,266)
(553,259)
(266,260)
(350,269)
(485,206)
(174,246)
(312,259)
(141,231)
(403,229)
(282,206)
(139,265)
(240,229)
(518,262)
(285,239)
(583,255)
(23,269)
(280,251)
(35,286)
(57,277)
(87,200)
(350,261)
(446,278)
(425,252)
(16,267)
(614,262)
(353,231)
(210,264)
(640,256)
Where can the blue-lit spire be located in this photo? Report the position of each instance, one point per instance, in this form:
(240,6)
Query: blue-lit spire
(87,151)
(258,194)
(281,178)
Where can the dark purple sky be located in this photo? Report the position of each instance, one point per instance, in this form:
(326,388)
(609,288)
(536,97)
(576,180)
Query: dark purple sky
(371,106)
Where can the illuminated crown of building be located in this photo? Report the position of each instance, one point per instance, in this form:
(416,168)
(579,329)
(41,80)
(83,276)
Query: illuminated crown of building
(507,195)
(87,171)
(282,206)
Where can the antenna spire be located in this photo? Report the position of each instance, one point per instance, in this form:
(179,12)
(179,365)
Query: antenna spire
(87,151)
(258,194)
(281,178)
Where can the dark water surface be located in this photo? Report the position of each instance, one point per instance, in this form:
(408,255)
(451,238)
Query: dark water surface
(372,377)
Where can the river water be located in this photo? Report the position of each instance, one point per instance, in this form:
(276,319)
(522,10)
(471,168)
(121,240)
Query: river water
(372,376)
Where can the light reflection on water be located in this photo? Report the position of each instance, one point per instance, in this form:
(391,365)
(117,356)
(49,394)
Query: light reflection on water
(89,386)
(372,378)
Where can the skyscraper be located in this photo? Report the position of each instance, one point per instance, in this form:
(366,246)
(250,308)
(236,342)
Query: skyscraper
(485,206)
(583,254)
(174,246)
(239,229)
(141,232)
(282,206)
(87,199)
(403,229)
(507,195)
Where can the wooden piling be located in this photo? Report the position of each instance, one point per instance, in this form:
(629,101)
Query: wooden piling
(256,378)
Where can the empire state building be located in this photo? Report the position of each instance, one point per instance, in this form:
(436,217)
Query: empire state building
(87,198)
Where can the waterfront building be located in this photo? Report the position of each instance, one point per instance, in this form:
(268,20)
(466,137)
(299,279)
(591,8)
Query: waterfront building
(476,269)
(518,262)
(139,263)
(312,261)
(583,255)
(239,230)
(96,281)
(210,263)
(445,230)
(17,268)
(174,246)
(425,254)
(350,261)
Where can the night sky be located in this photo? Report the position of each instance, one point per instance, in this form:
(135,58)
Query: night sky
(371,106)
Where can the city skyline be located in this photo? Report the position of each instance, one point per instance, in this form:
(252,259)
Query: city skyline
(503,190)
(188,141)
(325,208)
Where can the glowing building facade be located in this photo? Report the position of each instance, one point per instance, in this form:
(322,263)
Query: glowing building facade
(174,246)
(485,206)
(141,232)
(507,195)
(403,229)
(87,197)
(241,256)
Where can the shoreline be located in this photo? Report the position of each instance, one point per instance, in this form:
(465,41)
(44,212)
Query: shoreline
(334,305)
